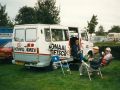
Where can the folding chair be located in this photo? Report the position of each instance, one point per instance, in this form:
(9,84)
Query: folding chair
(92,67)
(56,60)
(95,67)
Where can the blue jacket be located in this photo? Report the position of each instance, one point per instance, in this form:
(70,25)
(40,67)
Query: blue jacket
(74,51)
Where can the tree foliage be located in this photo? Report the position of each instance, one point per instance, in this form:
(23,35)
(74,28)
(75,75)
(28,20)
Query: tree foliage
(4,19)
(100,31)
(26,15)
(115,29)
(47,12)
(92,24)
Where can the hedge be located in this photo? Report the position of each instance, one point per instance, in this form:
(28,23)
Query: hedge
(115,48)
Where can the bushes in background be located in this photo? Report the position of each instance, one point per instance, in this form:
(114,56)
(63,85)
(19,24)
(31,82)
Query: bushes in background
(115,47)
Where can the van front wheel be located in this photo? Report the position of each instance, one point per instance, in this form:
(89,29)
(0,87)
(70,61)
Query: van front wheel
(51,66)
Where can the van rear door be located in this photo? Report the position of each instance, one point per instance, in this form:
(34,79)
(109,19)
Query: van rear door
(24,45)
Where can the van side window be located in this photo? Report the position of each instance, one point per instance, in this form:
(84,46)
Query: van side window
(84,36)
(19,35)
(57,35)
(65,35)
(31,35)
(47,34)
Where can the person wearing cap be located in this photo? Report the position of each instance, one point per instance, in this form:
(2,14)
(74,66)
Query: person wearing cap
(95,61)
(107,56)
(96,55)
(93,57)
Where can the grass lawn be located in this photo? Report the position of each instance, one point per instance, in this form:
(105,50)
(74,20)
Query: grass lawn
(13,77)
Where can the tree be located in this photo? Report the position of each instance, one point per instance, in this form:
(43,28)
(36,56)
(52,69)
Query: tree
(4,19)
(26,15)
(115,29)
(47,12)
(92,24)
(100,31)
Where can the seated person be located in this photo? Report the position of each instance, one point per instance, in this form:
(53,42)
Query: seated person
(75,49)
(107,56)
(93,59)
(95,62)
(89,55)
(96,55)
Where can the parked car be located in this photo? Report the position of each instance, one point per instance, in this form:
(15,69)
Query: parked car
(6,51)
(6,43)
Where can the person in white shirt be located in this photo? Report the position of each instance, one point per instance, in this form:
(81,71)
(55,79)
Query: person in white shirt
(107,56)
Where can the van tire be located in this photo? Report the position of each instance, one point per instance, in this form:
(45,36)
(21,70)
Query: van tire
(51,66)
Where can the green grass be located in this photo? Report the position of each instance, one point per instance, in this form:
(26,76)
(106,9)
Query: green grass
(13,77)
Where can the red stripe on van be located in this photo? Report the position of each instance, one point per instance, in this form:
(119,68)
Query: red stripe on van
(32,53)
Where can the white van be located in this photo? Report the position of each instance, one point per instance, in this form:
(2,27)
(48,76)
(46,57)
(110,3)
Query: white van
(33,44)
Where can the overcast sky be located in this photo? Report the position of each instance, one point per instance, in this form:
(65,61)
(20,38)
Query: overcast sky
(76,12)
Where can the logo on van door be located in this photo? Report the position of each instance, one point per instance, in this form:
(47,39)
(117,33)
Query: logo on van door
(28,49)
(58,49)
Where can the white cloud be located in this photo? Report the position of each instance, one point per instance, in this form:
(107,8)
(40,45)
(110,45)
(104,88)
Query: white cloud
(77,12)
(81,11)
(12,6)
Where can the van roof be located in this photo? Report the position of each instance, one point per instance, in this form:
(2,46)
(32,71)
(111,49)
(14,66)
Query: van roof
(39,25)
(57,26)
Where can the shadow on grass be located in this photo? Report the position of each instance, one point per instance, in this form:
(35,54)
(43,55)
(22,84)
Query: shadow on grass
(73,67)
(5,61)
(36,69)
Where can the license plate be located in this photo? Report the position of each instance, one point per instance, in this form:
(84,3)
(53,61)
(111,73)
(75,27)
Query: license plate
(20,63)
